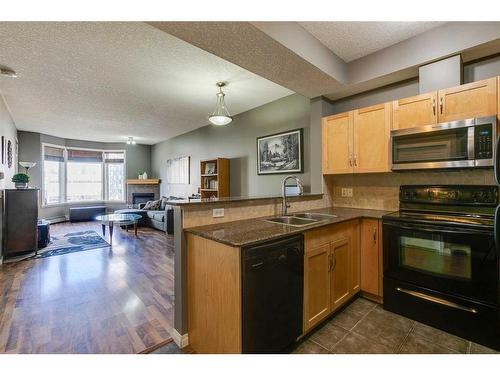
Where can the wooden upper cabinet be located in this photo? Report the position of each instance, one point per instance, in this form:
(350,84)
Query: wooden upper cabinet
(337,143)
(417,110)
(372,132)
(340,283)
(476,99)
(317,285)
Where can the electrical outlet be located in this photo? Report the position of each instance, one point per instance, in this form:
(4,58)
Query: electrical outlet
(347,192)
(218,212)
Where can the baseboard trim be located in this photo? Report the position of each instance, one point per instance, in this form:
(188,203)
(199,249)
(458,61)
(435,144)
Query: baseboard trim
(181,340)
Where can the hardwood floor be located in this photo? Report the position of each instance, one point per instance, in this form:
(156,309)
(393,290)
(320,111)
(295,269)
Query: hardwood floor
(113,300)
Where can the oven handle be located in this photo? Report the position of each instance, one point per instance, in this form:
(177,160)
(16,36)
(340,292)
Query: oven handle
(440,229)
(439,301)
(497,162)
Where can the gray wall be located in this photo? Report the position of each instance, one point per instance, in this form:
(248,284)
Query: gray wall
(30,149)
(237,142)
(9,131)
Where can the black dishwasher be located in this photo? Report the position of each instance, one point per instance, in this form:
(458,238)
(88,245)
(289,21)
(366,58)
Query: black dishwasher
(273,289)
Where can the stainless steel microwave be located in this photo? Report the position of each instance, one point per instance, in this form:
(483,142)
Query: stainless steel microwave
(457,144)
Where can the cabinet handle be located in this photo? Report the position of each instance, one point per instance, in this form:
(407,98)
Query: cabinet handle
(330,263)
(350,161)
(434,107)
(334,262)
(355,160)
(374,235)
(441,105)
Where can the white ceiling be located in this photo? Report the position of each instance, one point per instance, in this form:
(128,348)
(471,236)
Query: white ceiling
(107,81)
(352,40)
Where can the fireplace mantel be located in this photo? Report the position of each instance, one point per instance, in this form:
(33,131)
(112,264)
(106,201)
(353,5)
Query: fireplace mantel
(149,181)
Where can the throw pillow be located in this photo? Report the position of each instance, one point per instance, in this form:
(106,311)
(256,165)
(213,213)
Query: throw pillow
(152,205)
(163,204)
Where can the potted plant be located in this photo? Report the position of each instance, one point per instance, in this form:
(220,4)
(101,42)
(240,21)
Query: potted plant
(21,180)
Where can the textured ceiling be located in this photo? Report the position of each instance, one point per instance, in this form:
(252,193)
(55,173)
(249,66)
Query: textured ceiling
(106,81)
(352,40)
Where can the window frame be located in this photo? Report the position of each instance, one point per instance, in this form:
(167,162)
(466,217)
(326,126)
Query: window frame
(104,177)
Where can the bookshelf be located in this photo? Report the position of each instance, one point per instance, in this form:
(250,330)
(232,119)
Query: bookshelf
(214,178)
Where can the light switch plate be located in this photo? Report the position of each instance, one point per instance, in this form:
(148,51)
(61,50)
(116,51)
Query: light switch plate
(218,212)
(347,192)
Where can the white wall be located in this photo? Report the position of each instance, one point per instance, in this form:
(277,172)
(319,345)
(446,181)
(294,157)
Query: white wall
(9,132)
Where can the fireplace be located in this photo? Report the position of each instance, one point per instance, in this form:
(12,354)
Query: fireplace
(138,198)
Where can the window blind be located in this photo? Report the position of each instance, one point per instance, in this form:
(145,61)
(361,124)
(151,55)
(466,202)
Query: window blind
(178,170)
(84,156)
(114,157)
(53,154)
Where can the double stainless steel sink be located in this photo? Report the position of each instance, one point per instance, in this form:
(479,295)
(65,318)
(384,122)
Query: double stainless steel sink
(300,220)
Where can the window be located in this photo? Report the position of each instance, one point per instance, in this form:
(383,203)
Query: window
(115,176)
(84,176)
(80,175)
(53,168)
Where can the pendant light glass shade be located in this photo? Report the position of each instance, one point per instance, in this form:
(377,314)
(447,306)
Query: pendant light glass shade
(221,115)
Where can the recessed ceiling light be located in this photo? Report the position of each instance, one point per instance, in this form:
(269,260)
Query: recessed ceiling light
(7,72)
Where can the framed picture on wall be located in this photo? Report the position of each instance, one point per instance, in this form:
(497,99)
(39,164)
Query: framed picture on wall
(281,153)
(3,150)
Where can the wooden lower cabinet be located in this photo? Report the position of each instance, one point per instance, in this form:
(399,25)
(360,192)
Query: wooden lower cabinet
(340,289)
(332,270)
(317,290)
(371,257)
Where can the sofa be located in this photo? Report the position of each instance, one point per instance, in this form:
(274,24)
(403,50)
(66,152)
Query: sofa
(162,219)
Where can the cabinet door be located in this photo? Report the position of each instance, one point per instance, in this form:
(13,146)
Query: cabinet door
(372,132)
(370,256)
(340,275)
(476,99)
(337,143)
(355,261)
(316,285)
(417,110)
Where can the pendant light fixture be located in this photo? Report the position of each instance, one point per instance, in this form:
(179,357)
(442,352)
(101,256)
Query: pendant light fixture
(221,115)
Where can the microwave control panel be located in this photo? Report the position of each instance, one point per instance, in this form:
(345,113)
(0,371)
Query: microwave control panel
(483,141)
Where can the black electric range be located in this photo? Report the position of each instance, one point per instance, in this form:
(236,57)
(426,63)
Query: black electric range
(441,265)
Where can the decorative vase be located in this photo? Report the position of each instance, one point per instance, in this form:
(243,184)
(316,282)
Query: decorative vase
(144,176)
(140,177)
(21,185)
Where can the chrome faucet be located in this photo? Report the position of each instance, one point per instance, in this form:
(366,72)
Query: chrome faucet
(285,205)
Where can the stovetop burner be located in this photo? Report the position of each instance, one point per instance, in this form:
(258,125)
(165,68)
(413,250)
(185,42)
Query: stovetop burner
(455,205)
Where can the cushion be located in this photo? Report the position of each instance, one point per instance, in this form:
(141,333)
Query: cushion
(156,215)
(152,205)
(163,204)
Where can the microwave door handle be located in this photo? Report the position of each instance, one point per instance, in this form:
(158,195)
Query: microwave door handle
(497,161)
(471,154)
(496,230)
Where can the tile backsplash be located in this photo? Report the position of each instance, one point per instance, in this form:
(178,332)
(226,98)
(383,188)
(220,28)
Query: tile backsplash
(381,190)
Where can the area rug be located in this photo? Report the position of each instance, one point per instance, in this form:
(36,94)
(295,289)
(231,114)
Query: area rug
(72,243)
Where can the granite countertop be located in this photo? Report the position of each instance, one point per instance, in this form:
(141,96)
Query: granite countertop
(192,202)
(253,231)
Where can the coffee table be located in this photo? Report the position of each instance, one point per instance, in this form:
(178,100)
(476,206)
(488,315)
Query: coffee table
(120,219)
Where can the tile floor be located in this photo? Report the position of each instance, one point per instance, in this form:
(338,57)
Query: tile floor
(364,327)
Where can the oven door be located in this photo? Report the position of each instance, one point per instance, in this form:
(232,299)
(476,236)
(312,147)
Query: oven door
(447,145)
(458,261)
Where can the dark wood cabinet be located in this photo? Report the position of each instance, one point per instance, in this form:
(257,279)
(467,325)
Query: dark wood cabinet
(20,216)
